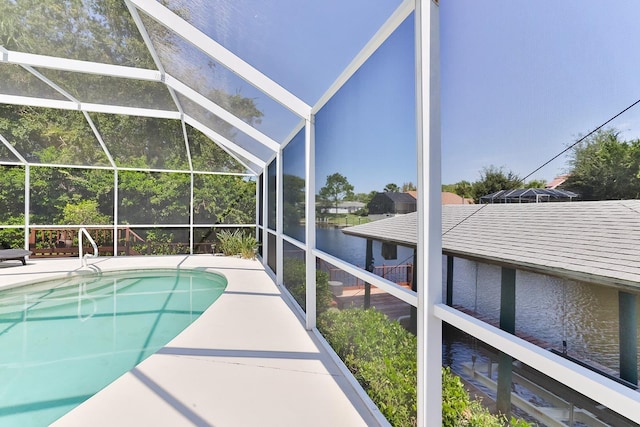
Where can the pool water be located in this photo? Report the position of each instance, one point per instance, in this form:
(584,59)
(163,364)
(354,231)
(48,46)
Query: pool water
(61,342)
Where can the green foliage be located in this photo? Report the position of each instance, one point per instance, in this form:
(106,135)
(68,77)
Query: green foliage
(11,238)
(391,188)
(161,242)
(381,354)
(408,186)
(494,179)
(536,183)
(12,195)
(336,189)
(293,197)
(294,276)
(224,199)
(238,242)
(605,168)
(84,212)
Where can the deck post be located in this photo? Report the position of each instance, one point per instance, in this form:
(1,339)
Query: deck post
(507,324)
(449,280)
(368,265)
(628,331)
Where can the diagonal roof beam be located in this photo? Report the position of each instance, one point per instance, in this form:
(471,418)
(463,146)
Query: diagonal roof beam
(224,114)
(33,60)
(13,150)
(229,146)
(216,51)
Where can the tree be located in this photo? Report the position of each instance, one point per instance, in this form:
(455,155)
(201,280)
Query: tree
(391,188)
(293,197)
(536,183)
(463,189)
(336,189)
(408,186)
(493,179)
(605,168)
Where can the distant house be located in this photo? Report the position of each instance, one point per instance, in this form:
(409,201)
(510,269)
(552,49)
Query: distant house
(345,208)
(453,199)
(391,203)
(557,182)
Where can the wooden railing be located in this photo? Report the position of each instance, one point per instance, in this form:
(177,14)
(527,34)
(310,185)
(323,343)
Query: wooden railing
(58,242)
(401,274)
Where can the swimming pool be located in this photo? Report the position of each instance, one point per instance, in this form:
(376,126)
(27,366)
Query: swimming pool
(62,341)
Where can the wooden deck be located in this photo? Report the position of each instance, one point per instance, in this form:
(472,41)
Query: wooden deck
(353,296)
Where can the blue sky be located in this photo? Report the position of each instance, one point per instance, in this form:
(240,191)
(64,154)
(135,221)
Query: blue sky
(522,80)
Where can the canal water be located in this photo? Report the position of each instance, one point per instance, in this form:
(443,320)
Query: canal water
(549,310)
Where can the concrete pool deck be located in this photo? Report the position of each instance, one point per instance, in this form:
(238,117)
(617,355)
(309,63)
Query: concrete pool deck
(246,361)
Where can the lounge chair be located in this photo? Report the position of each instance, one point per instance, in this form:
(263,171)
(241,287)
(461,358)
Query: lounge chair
(17,254)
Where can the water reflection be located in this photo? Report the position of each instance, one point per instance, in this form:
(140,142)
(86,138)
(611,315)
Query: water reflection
(548,311)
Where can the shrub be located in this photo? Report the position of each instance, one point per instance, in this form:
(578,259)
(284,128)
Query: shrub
(238,243)
(294,276)
(381,354)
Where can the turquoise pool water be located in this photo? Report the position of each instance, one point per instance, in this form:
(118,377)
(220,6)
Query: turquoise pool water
(63,341)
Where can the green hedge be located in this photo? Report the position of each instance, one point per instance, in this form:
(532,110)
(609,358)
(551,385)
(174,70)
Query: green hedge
(294,277)
(381,354)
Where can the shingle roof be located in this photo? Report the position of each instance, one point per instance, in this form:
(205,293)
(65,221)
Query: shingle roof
(589,241)
(400,197)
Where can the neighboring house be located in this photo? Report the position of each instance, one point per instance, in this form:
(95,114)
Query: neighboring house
(453,199)
(345,208)
(557,182)
(390,204)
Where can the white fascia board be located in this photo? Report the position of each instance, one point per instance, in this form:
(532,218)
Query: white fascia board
(130,111)
(87,67)
(38,102)
(389,287)
(225,143)
(394,21)
(216,51)
(209,105)
(611,394)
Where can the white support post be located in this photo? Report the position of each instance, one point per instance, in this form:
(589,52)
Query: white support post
(265,216)
(191,211)
(279,218)
(310,220)
(27,204)
(429,258)
(115,212)
(257,216)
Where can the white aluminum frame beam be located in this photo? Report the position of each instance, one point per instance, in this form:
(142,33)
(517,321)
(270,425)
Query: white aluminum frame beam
(429,248)
(88,107)
(87,67)
(13,150)
(225,115)
(611,394)
(225,143)
(200,40)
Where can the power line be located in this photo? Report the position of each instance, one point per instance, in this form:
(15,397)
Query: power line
(596,129)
